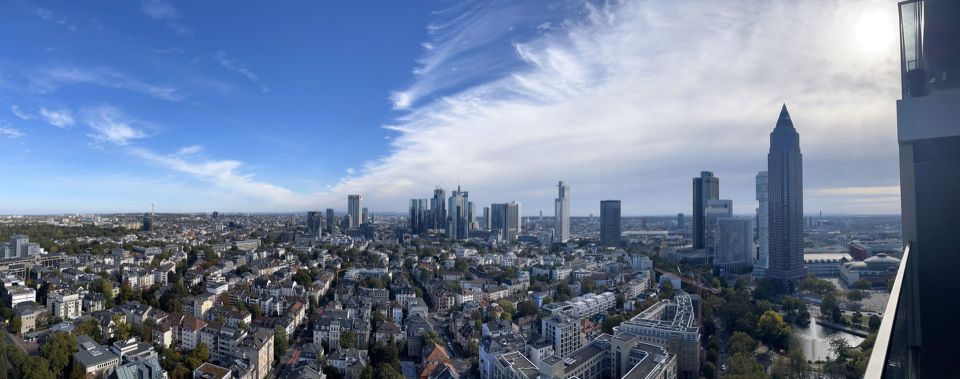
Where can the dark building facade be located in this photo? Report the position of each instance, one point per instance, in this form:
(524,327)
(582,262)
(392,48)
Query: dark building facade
(314,222)
(785,202)
(610,222)
(706,187)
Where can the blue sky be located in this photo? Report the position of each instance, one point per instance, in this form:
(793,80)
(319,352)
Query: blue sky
(283,106)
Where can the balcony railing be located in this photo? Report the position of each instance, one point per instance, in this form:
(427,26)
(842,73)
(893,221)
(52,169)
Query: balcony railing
(894,353)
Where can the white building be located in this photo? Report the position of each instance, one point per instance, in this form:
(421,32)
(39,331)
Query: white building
(760,267)
(65,305)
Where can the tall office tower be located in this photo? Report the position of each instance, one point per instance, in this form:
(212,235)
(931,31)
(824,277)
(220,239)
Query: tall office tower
(471,216)
(785,199)
(215,214)
(505,220)
(706,187)
(20,247)
(763,259)
(419,209)
(314,222)
(147,224)
(514,220)
(562,213)
(486,218)
(610,222)
(438,209)
(457,215)
(715,210)
(330,220)
(735,246)
(680,223)
(353,210)
(364,215)
(923,327)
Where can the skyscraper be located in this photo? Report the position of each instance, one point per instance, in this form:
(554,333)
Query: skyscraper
(680,223)
(331,222)
(760,268)
(486,218)
(147,224)
(562,213)
(438,210)
(419,211)
(471,215)
(364,215)
(505,219)
(706,187)
(785,194)
(353,210)
(314,222)
(714,211)
(610,222)
(735,244)
(457,222)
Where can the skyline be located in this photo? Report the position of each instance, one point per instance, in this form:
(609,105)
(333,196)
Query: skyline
(193,120)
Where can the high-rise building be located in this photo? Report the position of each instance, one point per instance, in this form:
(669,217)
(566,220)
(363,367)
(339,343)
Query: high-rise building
(353,210)
(331,222)
(147,224)
(438,209)
(457,222)
(486,218)
(562,213)
(715,210)
(610,222)
(505,219)
(20,247)
(471,216)
(735,246)
(706,187)
(763,224)
(419,211)
(785,194)
(364,215)
(314,222)
(919,326)
(680,224)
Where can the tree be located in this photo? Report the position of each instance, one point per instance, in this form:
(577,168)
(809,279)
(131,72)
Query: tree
(874,322)
(863,285)
(58,351)
(201,352)
(831,307)
(744,365)
(741,342)
(773,330)
(89,327)
(347,340)
(15,325)
(526,308)
(430,338)
(280,342)
(855,295)
(796,311)
(667,291)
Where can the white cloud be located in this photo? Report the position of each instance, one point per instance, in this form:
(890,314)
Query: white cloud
(60,118)
(226,175)
(233,65)
(632,99)
(859,191)
(111,125)
(23,115)
(50,16)
(189,150)
(162,10)
(9,132)
(49,80)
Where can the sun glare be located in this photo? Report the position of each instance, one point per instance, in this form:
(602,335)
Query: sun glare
(875,31)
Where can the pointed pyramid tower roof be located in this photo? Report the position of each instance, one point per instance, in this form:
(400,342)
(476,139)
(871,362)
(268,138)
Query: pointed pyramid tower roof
(784,119)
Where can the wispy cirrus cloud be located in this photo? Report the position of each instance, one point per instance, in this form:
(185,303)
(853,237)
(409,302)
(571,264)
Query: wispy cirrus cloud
(49,16)
(60,118)
(164,11)
(621,92)
(111,125)
(228,177)
(11,132)
(233,65)
(20,113)
(51,79)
